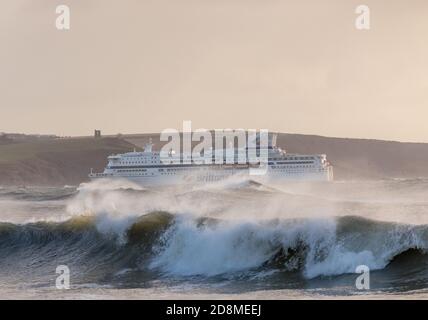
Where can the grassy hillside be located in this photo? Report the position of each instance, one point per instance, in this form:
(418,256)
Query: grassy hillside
(56,162)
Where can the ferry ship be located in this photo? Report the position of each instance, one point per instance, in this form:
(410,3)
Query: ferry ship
(150,168)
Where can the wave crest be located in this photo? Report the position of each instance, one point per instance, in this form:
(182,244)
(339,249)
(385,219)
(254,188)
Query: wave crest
(187,246)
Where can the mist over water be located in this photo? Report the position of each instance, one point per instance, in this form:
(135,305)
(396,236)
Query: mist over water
(235,238)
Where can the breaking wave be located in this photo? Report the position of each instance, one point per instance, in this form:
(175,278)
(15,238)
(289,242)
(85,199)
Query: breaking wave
(182,245)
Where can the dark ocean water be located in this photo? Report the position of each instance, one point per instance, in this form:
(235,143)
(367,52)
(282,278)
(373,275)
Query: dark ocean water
(232,239)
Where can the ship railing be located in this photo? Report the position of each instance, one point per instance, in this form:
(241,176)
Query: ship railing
(99,175)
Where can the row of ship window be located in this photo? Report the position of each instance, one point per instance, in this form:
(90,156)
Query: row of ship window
(275,159)
(137,162)
(302,166)
(208,168)
(295,158)
(270,163)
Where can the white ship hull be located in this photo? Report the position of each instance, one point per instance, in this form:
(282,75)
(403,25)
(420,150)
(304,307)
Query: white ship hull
(152,177)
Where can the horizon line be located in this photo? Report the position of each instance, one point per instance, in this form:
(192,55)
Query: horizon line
(157,133)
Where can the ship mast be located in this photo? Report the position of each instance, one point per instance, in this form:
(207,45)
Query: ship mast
(149,146)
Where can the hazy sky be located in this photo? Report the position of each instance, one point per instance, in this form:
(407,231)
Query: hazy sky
(142,66)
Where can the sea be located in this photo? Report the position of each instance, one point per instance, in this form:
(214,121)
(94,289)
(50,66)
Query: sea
(234,239)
